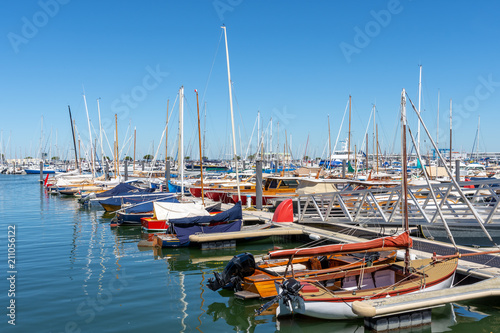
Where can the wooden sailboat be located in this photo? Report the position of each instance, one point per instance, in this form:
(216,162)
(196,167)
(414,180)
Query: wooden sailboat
(303,263)
(331,295)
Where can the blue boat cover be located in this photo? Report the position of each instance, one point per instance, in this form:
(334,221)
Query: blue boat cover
(234,213)
(183,233)
(134,199)
(148,205)
(123,189)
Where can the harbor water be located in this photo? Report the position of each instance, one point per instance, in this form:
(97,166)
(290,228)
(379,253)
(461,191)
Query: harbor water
(65,270)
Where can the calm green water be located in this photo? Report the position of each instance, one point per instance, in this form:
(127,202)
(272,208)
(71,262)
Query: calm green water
(73,273)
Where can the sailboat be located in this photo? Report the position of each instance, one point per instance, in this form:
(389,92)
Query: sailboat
(331,295)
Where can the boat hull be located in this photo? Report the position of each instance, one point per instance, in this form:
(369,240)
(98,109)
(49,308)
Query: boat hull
(151,224)
(339,307)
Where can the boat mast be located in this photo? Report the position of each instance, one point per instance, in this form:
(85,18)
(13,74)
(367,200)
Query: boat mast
(419,99)
(41,141)
(205,128)
(451,131)
(181,137)
(201,152)
(378,147)
(437,127)
(232,116)
(404,175)
(374,151)
(477,140)
(117,161)
(135,136)
(74,140)
(258,137)
(100,133)
(90,137)
(166,141)
(329,145)
(349,136)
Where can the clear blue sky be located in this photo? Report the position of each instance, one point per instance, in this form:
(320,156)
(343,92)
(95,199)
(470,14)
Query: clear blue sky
(295,61)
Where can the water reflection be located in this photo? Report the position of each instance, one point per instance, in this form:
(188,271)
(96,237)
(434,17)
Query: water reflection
(237,313)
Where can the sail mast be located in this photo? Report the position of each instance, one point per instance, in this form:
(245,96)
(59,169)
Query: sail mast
(181,137)
(74,140)
(375,151)
(404,175)
(232,116)
(451,131)
(90,137)
(166,139)
(201,152)
(100,133)
(419,98)
(349,136)
(117,161)
(437,126)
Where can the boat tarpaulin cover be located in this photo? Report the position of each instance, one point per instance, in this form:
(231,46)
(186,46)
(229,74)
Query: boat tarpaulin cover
(234,213)
(402,241)
(148,205)
(183,233)
(133,199)
(123,189)
(171,210)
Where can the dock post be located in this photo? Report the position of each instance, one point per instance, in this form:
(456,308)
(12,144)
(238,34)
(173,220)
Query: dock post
(258,185)
(41,171)
(343,168)
(457,170)
(142,165)
(106,170)
(126,169)
(167,174)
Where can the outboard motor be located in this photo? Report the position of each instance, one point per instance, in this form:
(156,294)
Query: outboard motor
(240,266)
(290,287)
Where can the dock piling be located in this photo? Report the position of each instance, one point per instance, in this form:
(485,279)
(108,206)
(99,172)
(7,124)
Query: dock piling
(41,171)
(258,185)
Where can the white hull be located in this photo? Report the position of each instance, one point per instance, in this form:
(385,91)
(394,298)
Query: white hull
(337,310)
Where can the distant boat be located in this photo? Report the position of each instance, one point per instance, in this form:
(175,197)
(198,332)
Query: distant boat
(47,169)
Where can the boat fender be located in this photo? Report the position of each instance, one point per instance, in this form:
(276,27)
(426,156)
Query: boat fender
(284,212)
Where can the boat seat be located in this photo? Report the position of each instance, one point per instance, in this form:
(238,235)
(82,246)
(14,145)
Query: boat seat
(350,283)
(367,282)
(384,278)
(281,269)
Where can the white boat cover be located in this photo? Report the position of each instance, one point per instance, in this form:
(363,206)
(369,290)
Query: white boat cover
(174,210)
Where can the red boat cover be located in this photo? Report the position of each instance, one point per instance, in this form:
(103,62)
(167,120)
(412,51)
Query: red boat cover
(402,241)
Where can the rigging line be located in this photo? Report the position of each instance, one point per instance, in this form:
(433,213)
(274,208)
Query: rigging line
(212,67)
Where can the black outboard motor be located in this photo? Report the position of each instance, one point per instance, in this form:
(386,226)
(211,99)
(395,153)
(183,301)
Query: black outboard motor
(240,266)
(290,287)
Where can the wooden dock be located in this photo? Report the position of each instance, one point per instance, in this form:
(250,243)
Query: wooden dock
(223,236)
(427,299)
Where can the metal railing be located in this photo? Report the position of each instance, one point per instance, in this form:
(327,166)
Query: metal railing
(383,205)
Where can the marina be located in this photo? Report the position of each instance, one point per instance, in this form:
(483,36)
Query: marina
(100,253)
(250,166)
